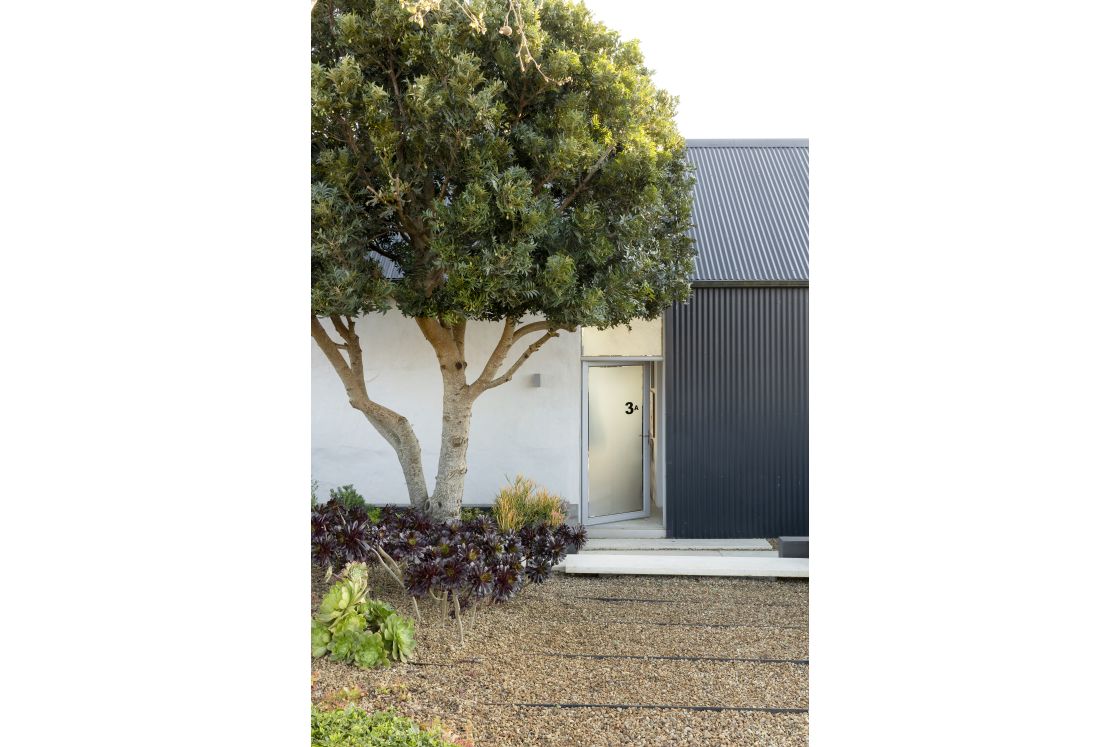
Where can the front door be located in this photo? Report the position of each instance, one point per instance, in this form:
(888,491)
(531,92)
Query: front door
(616,442)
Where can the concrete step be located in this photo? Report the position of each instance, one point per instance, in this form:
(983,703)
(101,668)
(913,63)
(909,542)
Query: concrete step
(613,531)
(595,544)
(678,564)
(692,553)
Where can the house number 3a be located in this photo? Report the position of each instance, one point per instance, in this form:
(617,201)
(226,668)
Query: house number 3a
(631,408)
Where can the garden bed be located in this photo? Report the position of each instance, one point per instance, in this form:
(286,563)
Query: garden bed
(695,661)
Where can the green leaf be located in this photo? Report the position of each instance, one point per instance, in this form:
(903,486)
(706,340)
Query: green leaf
(399,636)
(376,611)
(320,639)
(334,602)
(351,620)
(369,651)
(343,645)
(509,191)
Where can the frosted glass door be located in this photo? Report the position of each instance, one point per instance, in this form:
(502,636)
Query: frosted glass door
(615,439)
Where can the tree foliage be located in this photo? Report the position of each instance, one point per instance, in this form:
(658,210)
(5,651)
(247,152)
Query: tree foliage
(454,181)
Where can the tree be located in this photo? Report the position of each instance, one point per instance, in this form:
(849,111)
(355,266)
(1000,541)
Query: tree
(464,172)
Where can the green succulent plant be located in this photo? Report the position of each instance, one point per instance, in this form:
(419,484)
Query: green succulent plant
(343,645)
(353,620)
(363,648)
(376,611)
(353,727)
(348,496)
(399,636)
(353,628)
(320,639)
(370,651)
(346,600)
(470,514)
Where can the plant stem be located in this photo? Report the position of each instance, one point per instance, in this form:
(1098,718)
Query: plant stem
(458,618)
(389,559)
(395,575)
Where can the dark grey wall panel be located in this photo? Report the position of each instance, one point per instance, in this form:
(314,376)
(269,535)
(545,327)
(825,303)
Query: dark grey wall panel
(737,413)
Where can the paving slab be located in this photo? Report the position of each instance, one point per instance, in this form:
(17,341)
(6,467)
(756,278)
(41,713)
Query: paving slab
(615,531)
(664,564)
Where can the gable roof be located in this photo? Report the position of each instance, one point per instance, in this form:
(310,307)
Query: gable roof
(751,210)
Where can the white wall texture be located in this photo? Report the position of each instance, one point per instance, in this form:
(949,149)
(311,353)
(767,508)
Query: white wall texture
(516,427)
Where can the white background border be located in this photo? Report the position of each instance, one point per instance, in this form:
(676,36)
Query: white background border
(964,364)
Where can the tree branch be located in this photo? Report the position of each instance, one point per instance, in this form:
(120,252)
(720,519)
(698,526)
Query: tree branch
(520,361)
(443,342)
(330,348)
(341,327)
(352,144)
(346,329)
(540,183)
(501,349)
(387,421)
(413,227)
(387,254)
(586,179)
(392,70)
(392,426)
(459,333)
(529,329)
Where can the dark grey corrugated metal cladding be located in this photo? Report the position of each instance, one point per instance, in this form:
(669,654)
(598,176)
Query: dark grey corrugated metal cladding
(737,413)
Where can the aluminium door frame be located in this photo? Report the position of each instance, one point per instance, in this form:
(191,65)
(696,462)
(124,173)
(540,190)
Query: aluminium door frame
(585,508)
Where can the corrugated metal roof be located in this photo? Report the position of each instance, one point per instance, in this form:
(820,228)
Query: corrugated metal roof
(751,210)
(389,268)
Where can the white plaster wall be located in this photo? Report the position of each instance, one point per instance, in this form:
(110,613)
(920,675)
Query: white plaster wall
(515,428)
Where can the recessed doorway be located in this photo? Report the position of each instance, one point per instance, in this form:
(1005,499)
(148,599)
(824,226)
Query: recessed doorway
(616,463)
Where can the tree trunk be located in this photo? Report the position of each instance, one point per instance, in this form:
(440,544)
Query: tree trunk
(459,397)
(446,500)
(393,426)
(407,448)
(451,474)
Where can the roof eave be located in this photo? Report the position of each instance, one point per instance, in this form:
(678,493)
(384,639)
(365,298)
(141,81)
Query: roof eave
(747,143)
(749,283)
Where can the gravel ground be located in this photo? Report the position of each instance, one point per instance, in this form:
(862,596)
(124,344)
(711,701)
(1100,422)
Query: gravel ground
(596,641)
